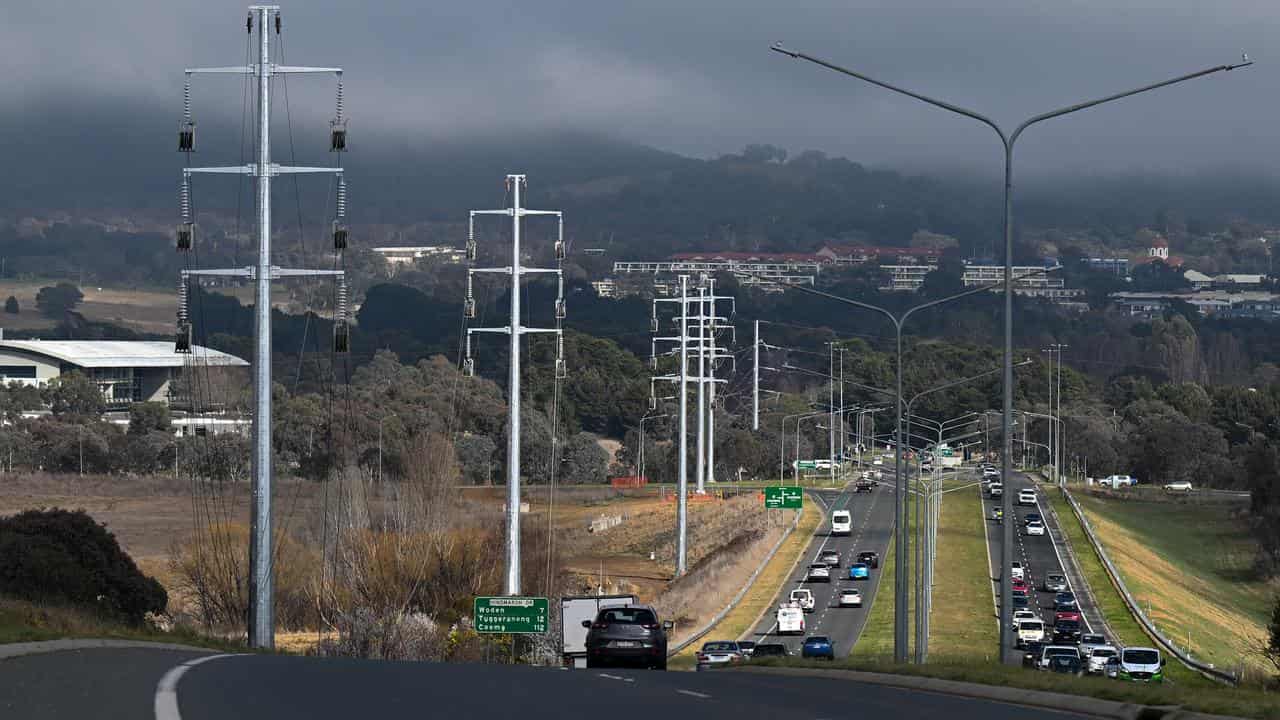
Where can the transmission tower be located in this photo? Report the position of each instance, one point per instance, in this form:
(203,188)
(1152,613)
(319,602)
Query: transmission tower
(514,184)
(262,19)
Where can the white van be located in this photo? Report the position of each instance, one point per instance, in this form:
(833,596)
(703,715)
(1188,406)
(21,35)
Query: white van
(790,620)
(841,522)
(1141,664)
(803,599)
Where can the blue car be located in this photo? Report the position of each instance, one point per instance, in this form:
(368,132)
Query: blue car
(859,571)
(818,646)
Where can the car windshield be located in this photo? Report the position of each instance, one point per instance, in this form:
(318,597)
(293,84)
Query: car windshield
(1104,653)
(1141,657)
(859,566)
(818,566)
(1057,578)
(761,650)
(1093,640)
(720,647)
(627,616)
(817,640)
(1032,625)
(746,644)
(1065,624)
(1054,651)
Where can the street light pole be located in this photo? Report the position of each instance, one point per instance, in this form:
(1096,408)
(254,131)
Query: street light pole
(1008,141)
(641,453)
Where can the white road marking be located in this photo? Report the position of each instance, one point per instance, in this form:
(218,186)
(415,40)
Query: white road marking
(691,693)
(166,704)
(616,677)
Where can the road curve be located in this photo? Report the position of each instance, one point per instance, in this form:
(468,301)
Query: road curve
(115,683)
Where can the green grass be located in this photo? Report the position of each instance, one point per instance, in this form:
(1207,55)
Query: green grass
(22,621)
(1191,566)
(1108,599)
(1211,698)
(876,640)
(962,625)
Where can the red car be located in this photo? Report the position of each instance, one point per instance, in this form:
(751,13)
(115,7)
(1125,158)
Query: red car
(1067,615)
(1020,585)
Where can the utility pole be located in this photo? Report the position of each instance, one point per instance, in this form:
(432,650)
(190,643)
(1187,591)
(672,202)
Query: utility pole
(262,18)
(514,330)
(702,374)
(755,379)
(1057,444)
(831,403)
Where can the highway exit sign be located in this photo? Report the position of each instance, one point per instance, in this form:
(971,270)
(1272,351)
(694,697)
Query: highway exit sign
(511,615)
(778,497)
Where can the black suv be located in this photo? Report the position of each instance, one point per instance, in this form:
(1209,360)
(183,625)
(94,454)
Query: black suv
(768,650)
(870,559)
(629,635)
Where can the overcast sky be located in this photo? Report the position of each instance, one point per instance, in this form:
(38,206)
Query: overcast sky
(697,77)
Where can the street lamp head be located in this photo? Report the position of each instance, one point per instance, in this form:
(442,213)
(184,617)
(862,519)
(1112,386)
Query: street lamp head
(777,47)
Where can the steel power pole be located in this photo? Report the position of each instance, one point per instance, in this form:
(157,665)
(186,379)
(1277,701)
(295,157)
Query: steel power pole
(682,498)
(514,330)
(262,18)
(755,379)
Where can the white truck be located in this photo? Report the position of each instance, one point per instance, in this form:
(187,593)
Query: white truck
(1115,482)
(575,609)
(803,599)
(790,620)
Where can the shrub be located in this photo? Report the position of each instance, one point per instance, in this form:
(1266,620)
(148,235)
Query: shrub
(65,557)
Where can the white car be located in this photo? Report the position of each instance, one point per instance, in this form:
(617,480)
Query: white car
(1026,496)
(818,572)
(1017,571)
(1030,631)
(1098,657)
(990,472)
(878,461)
(850,597)
(1089,641)
(803,599)
(1178,488)
(841,523)
(1035,528)
(997,489)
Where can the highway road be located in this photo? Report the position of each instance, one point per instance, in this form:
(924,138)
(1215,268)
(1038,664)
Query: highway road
(136,684)
(1042,554)
(872,528)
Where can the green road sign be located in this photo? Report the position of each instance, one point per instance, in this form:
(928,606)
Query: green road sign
(777,497)
(806,464)
(511,615)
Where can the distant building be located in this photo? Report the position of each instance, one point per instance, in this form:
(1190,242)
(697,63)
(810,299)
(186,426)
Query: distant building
(606,288)
(397,256)
(1159,250)
(1198,280)
(905,278)
(125,371)
(767,270)
(1238,280)
(859,255)
(1116,265)
(1219,303)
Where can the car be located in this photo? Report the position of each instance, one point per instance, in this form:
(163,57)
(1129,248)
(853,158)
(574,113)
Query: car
(790,620)
(841,525)
(1066,631)
(989,471)
(719,653)
(1089,641)
(1141,664)
(627,635)
(1030,631)
(748,647)
(830,557)
(859,571)
(818,646)
(818,572)
(1031,654)
(870,558)
(996,489)
(1017,571)
(998,516)
(1026,496)
(803,599)
(1054,582)
(1050,651)
(850,597)
(1020,601)
(1031,517)
(866,484)
(1178,488)
(1020,593)
(1098,657)
(1020,586)
(1066,665)
(1035,528)
(879,461)
(769,650)
(1020,615)
(1065,600)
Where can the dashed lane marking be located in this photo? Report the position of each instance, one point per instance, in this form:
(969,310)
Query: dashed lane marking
(692,693)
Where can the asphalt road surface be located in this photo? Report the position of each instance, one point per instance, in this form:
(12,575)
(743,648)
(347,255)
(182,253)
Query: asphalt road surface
(872,528)
(106,684)
(1041,554)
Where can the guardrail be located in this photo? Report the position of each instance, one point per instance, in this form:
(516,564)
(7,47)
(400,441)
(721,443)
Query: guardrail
(672,652)
(1136,610)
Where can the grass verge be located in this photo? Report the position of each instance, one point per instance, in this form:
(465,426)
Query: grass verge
(1214,699)
(23,621)
(961,627)
(775,574)
(1108,599)
(1191,568)
(876,641)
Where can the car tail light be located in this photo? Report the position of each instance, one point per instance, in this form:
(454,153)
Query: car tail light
(650,626)
(599,626)
(703,658)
